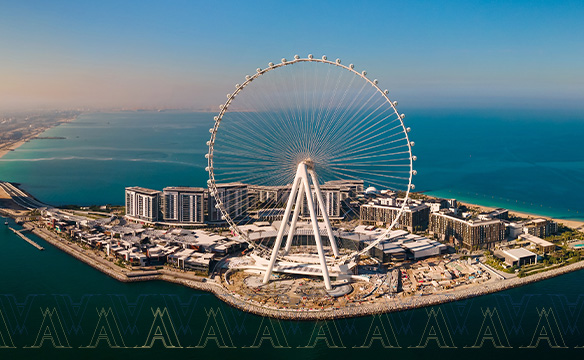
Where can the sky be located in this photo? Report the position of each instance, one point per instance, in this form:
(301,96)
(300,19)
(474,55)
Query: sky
(189,54)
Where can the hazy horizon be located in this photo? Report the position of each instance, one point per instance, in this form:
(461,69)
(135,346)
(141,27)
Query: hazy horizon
(189,54)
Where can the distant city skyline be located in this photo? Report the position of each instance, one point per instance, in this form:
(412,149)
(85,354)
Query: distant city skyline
(189,54)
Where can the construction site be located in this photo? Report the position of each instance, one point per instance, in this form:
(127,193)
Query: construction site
(373,284)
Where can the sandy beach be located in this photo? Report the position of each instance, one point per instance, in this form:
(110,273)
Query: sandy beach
(12,146)
(6,148)
(574,224)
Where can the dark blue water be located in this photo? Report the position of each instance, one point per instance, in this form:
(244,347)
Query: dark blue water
(49,299)
(54,306)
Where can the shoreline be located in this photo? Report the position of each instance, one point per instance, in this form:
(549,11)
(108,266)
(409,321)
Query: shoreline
(13,146)
(574,224)
(7,148)
(521,213)
(571,223)
(238,302)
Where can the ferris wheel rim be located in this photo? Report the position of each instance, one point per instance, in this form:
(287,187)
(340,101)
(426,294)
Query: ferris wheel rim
(212,185)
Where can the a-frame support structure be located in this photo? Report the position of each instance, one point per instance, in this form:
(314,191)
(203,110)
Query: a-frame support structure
(301,190)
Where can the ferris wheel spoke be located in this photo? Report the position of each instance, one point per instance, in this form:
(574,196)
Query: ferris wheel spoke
(363,152)
(369,164)
(347,128)
(328,121)
(385,157)
(370,181)
(250,127)
(375,173)
(341,124)
(263,119)
(351,123)
(375,147)
(369,143)
(371,129)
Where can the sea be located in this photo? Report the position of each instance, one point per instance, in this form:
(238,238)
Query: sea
(53,306)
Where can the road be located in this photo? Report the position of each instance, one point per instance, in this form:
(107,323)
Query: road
(20,197)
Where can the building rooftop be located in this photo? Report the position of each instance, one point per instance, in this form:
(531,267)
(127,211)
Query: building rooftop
(270,187)
(231,184)
(536,240)
(536,221)
(471,222)
(184,189)
(142,190)
(519,253)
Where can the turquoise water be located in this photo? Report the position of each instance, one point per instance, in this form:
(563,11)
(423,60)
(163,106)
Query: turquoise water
(529,160)
(492,158)
(103,153)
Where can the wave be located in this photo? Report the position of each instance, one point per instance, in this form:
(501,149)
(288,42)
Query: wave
(68,158)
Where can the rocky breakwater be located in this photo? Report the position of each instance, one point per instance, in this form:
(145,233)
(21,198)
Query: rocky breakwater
(385,305)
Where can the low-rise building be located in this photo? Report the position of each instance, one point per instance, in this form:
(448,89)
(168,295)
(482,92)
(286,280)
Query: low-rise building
(331,195)
(398,245)
(188,259)
(540,244)
(436,205)
(268,197)
(234,197)
(513,230)
(540,227)
(499,213)
(517,257)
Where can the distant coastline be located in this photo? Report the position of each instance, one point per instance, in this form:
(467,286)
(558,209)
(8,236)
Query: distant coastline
(13,146)
(7,148)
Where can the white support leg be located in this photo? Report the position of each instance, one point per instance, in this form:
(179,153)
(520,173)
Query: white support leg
(303,174)
(300,190)
(324,212)
(295,216)
(283,225)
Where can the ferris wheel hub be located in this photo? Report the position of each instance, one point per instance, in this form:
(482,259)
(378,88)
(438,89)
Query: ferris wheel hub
(308,163)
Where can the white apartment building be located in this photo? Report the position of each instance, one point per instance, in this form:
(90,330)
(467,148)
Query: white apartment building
(332,200)
(184,204)
(234,197)
(143,204)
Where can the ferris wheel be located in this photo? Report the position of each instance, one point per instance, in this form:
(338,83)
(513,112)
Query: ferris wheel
(306,139)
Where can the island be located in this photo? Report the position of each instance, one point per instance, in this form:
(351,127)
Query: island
(441,250)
